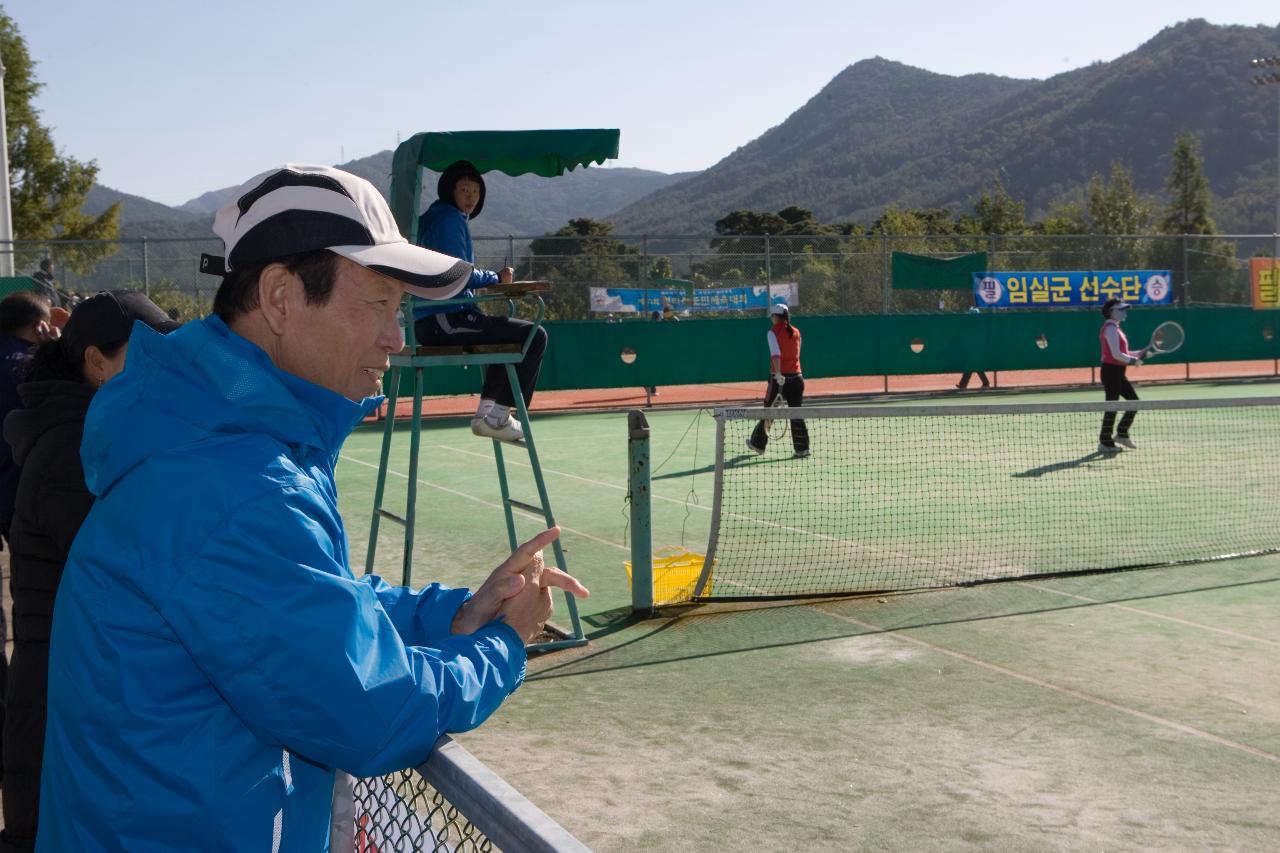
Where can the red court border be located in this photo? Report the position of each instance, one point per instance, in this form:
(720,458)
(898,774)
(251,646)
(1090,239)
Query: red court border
(684,396)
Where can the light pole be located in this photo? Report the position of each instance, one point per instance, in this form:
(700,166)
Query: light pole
(6,212)
(1266,78)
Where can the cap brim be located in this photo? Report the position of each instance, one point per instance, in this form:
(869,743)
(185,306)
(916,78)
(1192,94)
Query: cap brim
(424,273)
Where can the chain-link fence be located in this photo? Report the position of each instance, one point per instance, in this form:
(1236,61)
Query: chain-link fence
(834,274)
(453,802)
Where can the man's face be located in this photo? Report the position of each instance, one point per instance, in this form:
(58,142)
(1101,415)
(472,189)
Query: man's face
(343,345)
(466,195)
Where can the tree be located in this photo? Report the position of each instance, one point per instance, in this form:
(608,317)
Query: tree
(1206,267)
(915,221)
(1189,198)
(998,212)
(47,190)
(582,252)
(1063,218)
(1115,207)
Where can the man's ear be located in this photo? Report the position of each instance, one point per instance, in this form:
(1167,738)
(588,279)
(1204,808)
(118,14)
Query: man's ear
(277,290)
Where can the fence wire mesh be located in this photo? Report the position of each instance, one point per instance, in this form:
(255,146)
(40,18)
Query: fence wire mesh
(402,812)
(834,274)
(452,802)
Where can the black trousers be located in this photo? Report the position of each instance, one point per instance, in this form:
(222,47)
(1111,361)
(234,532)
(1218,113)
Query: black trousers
(462,328)
(1115,386)
(793,393)
(964,378)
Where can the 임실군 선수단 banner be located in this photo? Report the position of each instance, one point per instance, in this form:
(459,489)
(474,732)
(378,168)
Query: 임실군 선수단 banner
(1073,289)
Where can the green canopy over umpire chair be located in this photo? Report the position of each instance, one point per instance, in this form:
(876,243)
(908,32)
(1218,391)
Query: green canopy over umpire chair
(547,153)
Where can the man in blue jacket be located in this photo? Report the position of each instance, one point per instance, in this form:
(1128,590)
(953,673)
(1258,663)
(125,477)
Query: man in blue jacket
(213,659)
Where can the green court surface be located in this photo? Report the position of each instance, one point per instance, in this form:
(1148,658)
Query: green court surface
(1126,711)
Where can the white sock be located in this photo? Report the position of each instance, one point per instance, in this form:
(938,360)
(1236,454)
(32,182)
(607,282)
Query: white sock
(485,407)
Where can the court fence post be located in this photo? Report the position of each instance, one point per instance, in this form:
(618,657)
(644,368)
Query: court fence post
(641,520)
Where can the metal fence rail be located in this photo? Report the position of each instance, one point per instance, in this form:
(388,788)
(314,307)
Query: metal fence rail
(835,274)
(452,802)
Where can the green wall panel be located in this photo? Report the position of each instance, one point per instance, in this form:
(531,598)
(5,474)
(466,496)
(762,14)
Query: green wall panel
(588,354)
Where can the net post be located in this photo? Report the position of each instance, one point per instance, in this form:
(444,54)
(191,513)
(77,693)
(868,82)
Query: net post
(641,520)
(701,587)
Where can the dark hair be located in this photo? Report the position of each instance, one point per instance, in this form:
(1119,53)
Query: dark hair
(238,293)
(46,264)
(22,309)
(786,318)
(51,360)
(449,178)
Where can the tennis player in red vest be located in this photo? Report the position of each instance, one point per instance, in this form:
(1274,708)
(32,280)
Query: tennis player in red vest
(1115,358)
(786,379)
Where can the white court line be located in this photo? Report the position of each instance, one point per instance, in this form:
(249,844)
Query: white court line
(1152,614)
(484,502)
(853,544)
(859,547)
(1058,688)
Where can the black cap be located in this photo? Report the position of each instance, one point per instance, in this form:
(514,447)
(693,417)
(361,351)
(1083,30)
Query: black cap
(107,318)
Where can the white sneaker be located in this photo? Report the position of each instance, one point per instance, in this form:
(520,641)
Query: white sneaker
(507,429)
(758,451)
(800,454)
(1125,441)
(1108,448)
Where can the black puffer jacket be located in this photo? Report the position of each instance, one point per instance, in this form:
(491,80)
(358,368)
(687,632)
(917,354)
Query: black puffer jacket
(52,503)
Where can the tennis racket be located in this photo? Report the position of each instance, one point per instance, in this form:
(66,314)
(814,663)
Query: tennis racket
(1167,338)
(779,403)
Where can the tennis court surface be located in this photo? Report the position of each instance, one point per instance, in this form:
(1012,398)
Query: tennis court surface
(1135,710)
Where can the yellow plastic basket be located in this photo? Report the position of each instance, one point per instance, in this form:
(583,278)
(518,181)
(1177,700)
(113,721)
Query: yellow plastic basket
(675,574)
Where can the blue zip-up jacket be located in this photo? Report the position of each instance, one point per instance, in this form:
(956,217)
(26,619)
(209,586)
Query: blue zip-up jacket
(213,659)
(443,228)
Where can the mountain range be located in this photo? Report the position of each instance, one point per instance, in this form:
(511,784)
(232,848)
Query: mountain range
(882,133)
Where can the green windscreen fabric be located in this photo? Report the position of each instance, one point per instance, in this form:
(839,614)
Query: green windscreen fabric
(16,283)
(516,152)
(921,272)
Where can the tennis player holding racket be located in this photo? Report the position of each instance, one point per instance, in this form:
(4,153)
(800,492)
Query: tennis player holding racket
(1115,359)
(786,379)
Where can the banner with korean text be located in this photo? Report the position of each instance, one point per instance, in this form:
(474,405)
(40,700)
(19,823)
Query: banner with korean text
(635,300)
(1266,284)
(1074,289)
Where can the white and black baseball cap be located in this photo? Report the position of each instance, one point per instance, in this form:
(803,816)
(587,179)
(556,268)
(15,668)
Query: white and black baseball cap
(778,308)
(296,209)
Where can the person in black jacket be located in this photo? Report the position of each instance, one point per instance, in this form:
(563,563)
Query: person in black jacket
(52,502)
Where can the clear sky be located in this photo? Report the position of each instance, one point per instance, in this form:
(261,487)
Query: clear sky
(174,97)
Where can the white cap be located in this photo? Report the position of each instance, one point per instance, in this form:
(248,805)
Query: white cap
(779,308)
(298,209)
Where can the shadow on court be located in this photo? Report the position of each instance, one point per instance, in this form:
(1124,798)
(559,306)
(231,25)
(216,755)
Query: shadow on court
(1095,456)
(691,632)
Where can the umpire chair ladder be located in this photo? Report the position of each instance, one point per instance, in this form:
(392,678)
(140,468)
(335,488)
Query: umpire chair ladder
(418,359)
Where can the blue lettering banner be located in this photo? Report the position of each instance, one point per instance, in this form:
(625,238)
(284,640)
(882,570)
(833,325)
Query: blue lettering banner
(1071,289)
(635,300)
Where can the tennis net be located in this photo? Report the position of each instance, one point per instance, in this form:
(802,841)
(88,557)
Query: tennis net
(911,497)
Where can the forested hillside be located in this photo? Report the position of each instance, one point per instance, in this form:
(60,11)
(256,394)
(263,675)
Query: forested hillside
(884,134)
